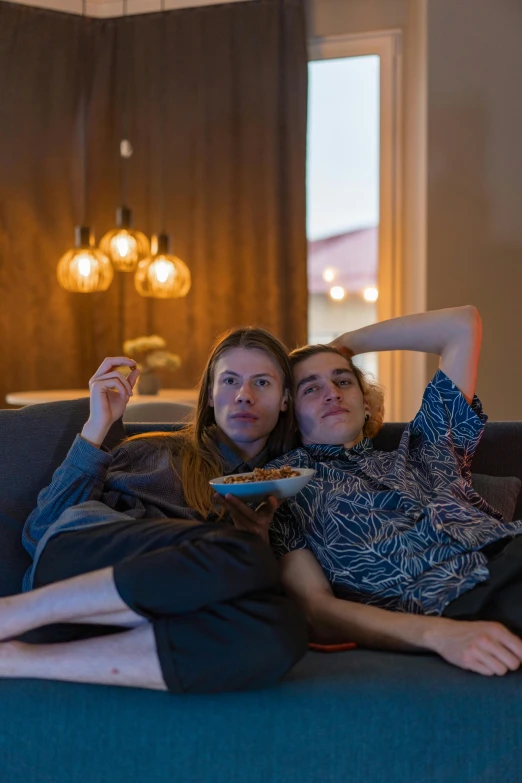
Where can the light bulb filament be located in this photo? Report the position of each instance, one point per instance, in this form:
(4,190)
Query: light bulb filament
(84,265)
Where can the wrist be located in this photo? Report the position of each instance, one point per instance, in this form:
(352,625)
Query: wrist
(434,633)
(93,434)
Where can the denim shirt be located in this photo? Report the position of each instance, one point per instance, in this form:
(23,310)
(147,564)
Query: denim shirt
(95,487)
(401,530)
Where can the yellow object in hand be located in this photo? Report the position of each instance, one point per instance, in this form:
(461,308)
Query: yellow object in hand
(124,369)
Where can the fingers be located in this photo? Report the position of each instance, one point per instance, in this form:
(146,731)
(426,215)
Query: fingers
(244,517)
(263,514)
(239,505)
(490,664)
(269,506)
(481,668)
(113,361)
(492,650)
(496,654)
(343,349)
(509,640)
(112,381)
(133,377)
(485,647)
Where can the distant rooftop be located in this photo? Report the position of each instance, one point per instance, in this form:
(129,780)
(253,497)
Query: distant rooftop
(353,255)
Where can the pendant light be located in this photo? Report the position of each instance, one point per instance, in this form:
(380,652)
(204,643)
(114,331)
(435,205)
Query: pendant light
(162,275)
(124,246)
(84,269)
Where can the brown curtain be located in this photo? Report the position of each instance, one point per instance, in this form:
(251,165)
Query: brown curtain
(230,82)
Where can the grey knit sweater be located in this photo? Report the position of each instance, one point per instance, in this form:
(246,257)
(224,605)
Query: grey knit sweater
(96,487)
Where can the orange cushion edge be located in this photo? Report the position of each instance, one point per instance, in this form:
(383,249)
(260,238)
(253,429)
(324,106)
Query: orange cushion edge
(332,647)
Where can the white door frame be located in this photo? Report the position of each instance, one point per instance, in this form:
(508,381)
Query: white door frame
(401,280)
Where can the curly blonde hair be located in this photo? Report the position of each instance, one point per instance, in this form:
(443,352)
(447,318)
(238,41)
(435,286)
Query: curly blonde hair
(372,392)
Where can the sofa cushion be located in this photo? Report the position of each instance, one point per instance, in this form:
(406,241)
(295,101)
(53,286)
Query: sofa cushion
(34,441)
(501,492)
(357,717)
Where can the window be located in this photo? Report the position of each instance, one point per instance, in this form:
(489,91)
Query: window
(354,193)
(343,197)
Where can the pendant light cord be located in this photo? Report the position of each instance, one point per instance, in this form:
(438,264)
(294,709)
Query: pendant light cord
(83,115)
(163,114)
(123,60)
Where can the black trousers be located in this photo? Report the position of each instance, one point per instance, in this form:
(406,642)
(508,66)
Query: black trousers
(212,594)
(500,597)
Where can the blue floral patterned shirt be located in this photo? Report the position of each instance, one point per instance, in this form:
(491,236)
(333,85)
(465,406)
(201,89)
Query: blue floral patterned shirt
(402,530)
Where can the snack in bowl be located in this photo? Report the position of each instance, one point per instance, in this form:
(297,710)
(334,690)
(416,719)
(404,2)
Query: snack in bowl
(282,483)
(263,474)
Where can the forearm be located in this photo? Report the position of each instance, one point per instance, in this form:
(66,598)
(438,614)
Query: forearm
(431,332)
(333,620)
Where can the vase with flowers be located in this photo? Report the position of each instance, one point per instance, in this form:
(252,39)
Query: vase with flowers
(151,355)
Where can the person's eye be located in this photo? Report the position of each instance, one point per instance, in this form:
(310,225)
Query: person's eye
(345,382)
(229,381)
(310,389)
(263,382)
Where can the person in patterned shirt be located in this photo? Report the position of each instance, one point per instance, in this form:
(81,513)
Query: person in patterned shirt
(395,549)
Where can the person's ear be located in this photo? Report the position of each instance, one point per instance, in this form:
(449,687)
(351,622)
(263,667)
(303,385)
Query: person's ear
(210,397)
(284,401)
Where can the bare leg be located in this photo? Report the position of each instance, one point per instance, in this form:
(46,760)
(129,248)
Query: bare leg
(128,658)
(83,598)
(126,618)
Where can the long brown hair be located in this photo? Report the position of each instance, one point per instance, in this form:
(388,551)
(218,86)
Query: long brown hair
(197,443)
(373,393)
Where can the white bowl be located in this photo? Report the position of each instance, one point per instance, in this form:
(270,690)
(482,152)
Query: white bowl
(260,490)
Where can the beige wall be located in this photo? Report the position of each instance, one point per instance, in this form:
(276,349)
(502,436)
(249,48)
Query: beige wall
(475,181)
(343,17)
(474,165)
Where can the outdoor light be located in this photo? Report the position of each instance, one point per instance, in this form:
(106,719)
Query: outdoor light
(337,293)
(329,274)
(370,294)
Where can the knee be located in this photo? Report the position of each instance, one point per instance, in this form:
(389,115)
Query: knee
(247,644)
(251,552)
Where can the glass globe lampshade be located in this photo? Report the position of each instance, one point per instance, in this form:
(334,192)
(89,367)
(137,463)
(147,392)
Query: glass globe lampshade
(162,275)
(84,269)
(124,246)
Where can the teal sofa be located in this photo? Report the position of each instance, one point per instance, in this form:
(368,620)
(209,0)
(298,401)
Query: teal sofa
(355,717)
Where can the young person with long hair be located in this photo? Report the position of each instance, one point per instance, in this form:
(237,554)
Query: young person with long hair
(396,550)
(130,540)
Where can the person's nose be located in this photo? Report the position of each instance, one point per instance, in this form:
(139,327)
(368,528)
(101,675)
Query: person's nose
(245,394)
(332,393)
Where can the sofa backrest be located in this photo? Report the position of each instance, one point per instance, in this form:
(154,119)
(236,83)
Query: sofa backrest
(35,440)
(33,443)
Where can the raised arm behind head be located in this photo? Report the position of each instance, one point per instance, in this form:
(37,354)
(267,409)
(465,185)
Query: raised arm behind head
(454,334)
